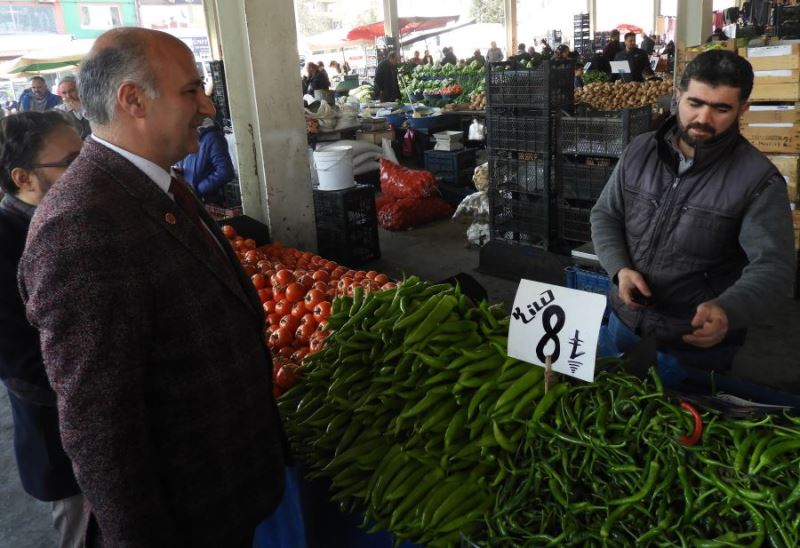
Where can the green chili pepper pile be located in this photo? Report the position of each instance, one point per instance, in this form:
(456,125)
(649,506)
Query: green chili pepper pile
(411,410)
(608,465)
(422,422)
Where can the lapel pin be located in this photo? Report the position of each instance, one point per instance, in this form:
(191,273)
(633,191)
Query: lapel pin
(170,218)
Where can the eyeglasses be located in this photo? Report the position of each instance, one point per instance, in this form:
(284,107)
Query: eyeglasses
(61,163)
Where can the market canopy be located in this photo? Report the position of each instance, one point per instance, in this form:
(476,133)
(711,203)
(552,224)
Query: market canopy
(405,25)
(49,59)
(331,40)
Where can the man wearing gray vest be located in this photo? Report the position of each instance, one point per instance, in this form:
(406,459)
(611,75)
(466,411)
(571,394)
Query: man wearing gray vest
(694,224)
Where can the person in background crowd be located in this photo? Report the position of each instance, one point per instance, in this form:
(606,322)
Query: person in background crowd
(649,75)
(164,386)
(636,58)
(613,47)
(562,53)
(71,106)
(208,169)
(547,51)
(717,36)
(494,54)
(336,68)
(578,81)
(694,225)
(448,57)
(522,53)
(427,58)
(417,60)
(476,56)
(386,87)
(317,79)
(648,44)
(40,98)
(10,105)
(35,150)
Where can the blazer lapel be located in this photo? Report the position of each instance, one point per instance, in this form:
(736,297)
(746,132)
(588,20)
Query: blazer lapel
(165,213)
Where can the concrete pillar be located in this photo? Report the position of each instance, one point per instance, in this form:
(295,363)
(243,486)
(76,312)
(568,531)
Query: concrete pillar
(693,24)
(656,14)
(391,27)
(591,7)
(511,26)
(262,69)
(212,25)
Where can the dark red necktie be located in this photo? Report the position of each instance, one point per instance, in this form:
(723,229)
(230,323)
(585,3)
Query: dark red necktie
(188,203)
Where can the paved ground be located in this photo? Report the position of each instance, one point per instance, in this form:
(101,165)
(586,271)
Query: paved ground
(772,355)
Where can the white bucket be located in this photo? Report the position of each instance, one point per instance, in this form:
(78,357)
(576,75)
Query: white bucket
(334,167)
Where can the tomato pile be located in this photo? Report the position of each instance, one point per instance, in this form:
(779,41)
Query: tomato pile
(296,289)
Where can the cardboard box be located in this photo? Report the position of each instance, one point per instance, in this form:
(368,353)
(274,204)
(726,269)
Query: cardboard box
(773,57)
(796,218)
(789,166)
(375,137)
(772,128)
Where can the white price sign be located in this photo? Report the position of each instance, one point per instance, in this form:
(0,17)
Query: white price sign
(550,320)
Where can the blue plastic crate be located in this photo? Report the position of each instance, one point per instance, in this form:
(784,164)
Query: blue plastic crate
(587,280)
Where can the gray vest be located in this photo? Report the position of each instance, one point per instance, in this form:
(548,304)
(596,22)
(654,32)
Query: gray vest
(682,232)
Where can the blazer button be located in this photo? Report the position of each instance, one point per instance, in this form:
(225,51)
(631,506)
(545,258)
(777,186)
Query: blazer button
(170,218)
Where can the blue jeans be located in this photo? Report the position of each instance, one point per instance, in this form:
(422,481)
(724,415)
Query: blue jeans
(675,366)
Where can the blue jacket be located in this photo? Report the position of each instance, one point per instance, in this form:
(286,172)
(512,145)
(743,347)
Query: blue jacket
(211,167)
(25,101)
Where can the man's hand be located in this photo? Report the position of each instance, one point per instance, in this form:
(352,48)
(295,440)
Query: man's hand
(631,283)
(710,324)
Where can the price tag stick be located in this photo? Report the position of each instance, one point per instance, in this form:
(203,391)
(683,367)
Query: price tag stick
(548,373)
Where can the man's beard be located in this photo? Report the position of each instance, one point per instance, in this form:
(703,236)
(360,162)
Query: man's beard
(683,132)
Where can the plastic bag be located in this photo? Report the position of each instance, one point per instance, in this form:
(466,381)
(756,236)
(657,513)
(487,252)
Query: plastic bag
(388,151)
(476,205)
(401,182)
(408,143)
(480,177)
(478,233)
(405,213)
(477,131)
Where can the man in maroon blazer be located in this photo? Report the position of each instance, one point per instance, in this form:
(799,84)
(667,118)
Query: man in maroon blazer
(151,331)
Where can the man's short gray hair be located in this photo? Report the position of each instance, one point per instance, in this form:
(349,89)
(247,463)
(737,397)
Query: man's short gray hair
(105,70)
(39,78)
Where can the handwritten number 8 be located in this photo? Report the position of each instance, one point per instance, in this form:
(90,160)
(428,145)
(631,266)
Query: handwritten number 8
(551,332)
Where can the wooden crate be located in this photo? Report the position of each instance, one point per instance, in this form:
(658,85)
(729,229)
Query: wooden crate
(772,114)
(796,218)
(784,57)
(773,129)
(789,166)
(780,85)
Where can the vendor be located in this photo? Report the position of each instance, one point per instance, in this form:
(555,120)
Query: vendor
(386,88)
(317,79)
(637,59)
(694,225)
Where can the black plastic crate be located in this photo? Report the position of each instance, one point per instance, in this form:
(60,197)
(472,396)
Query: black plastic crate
(233,194)
(573,222)
(527,172)
(454,167)
(548,86)
(602,133)
(347,224)
(584,178)
(521,219)
(523,132)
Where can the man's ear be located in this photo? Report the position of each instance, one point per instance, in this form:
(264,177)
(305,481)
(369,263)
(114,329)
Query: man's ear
(130,98)
(21,178)
(744,108)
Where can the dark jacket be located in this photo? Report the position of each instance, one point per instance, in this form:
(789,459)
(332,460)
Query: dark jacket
(612,49)
(718,229)
(648,45)
(449,58)
(386,87)
(319,81)
(44,469)
(25,102)
(208,169)
(637,60)
(164,387)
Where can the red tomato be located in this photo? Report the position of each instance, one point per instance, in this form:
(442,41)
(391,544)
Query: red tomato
(265,294)
(322,286)
(298,355)
(273,318)
(371,275)
(250,269)
(322,311)
(315,344)
(308,318)
(295,292)
(229,231)
(269,306)
(304,332)
(344,283)
(312,298)
(321,276)
(279,295)
(381,279)
(283,307)
(286,377)
(298,309)
(284,276)
(388,285)
(286,351)
(290,322)
(322,325)
(280,337)
(259,281)
(306,281)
